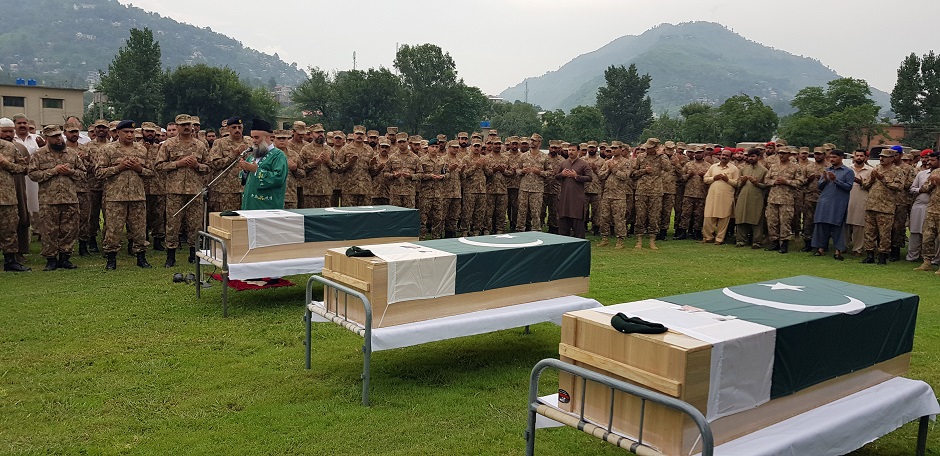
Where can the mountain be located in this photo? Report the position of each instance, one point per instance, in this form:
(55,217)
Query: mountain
(689,62)
(64,44)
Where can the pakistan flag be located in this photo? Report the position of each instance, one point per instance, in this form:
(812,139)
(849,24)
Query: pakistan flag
(824,328)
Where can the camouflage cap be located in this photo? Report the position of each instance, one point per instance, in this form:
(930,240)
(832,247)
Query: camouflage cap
(113,124)
(149,126)
(492,132)
(670,145)
(497,140)
(391,131)
(282,134)
(886,152)
(804,149)
(196,120)
(681,145)
(476,140)
(829,146)
(653,142)
(442,138)
(372,133)
(818,149)
(359,129)
(338,134)
(476,134)
(551,142)
(183,119)
(524,140)
(781,142)
(583,146)
(453,143)
(615,144)
(463,134)
(603,144)
(299,126)
(415,139)
(401,136)
(759,147)
(317,128)
(72,125)
(383,141)
(51,130)
(100,123)
(592,143)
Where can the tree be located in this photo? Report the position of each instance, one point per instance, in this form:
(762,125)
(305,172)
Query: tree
(700,124)
(742,118)
(516,119)
(908,92)
(915,97)
(134,81)
(214,94)
(553,124)
(843,114)
(624,102)
(584,123)
(314,95)
(428,75)
(664,127)
(462,108)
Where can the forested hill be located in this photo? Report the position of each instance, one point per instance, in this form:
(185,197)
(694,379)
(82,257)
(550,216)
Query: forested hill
(65,43)
(689,62)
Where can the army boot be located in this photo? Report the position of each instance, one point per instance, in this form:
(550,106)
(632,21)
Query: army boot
(679,235)
(882,258)
(11,265)
(93,245)
(64,262)
(158,244)
(639,242)
(142,260)
(870,258)
(170,258)
(784,246)
(619,245)
(604,242)
(775,245)
(895,254)
(653,243)
(83,248)
(926,266)
(130,246)
(192,255)
(51,264)
(661,236)
(112,261)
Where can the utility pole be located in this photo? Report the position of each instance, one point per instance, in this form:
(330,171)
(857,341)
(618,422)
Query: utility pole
(354,60)
(527,91)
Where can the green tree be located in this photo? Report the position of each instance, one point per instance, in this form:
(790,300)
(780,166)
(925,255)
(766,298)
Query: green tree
(700,124)
(214,94)
(843,113)
(134,81)
(428,75)
(462,109)
(915,97)
(624,102)
(553,124)
(664,127)
(742,118)
(908,92)
(584,123)
(516,119)
(313,97)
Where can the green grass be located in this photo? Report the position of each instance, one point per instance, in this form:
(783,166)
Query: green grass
(129,362)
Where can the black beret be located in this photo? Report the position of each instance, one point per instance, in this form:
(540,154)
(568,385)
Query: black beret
(125,124)
(233,121)
(261,125)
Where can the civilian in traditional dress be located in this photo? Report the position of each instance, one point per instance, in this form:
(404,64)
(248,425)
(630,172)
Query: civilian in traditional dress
(918,212)
(265,172)
(749,207)
(721,178)
(572,173)
(835,185)
(858,198)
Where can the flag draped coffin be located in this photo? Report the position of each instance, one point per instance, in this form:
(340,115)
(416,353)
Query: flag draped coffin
(746,356)
(408,282)
(267,235)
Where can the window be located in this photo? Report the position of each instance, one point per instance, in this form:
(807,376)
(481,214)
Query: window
(14,102)
(54,103)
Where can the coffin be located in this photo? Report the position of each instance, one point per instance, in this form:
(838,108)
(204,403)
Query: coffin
(268,235)
(747,356)
(415,281)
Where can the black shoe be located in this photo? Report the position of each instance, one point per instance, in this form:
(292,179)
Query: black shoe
(178,278)
(83,248)
(11,265)
(142,260)
(112,262)
(882,258)
(170,258)
(449,234)
(807,247)
(158,244)
(775,245)
(784,246)
(64,262)
(869,259)
(661,236)
(93,245)
(679,235)
(129,246)
(597,231)
(838,256)
(51,264)
(192,255)
(895,254)
(818,253)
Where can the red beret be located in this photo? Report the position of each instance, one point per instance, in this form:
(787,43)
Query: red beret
(926,152)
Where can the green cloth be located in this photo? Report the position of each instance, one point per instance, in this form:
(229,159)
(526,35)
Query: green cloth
(481,267)
(265,187)
(815,347)
(359,222)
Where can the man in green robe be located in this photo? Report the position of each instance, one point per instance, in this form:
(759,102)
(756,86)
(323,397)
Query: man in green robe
(265,171)
(749,208)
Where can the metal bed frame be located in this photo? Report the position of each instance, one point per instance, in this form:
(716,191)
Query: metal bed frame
(209,243)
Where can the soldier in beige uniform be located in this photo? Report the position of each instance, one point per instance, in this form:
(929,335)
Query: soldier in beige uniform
(12,164)
(353,163)
(100,139)
(377,169)
(593,188)
(184,159)
(902,209)
(670,178)
(474,175)
(812,170)
(648,171)
(296,146)
(615,173)
(784,178)
(431,173)
(57,169)
(512,186)
(155,188)
(498,173)
(71,133)
(282,140)
(535,168)
(451,162)
(693,198)
(122,167)
(226,193)
(931,226)
(884,183)
(317,161)
(401,174)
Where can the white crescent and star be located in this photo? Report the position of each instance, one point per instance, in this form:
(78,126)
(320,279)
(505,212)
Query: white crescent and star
(852,307)
(500,236)
(368,209)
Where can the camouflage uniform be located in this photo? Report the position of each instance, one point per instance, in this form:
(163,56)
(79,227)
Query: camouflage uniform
(512,189)
(226,193)
(125,199)
(379,182)
(155,187)
(356,180)
(401,190)
(670,176)
(902,211)
(181,185)
(450,192)
(531,188)
(680,161)
(11,164)
(498,172)
(811,172)
(317,182)
(297,149)
(474,175)
(592,191)
(58,199)
(294,153)
(693,198)
(616,176)
(429,173)
(95,188)
(82,188)
(551,189)
(649,191)
(883,195)
(931,228)
(780,209)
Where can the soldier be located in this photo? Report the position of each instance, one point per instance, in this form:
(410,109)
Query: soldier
(72,130)
(57,169)
(450,188)
(185,160)
(498,173)
(883,185)
(593,188)
(534,167)
(377,170)
(931,226)
(809,194)
(648,172)
(282,141)
(615,172)
(902,210)
(100,140)
(337,140)
(353,163)
(155,188)
(226,193)
(8,133)
(681,160)
(317,183)
(670,177)
(401,174)
(122,167)
(474,175)
(431,173)
(12,165)
(784,179)
(391,134)
(749,206)
(693,200)
(552,187)
(294,151)
(512,186)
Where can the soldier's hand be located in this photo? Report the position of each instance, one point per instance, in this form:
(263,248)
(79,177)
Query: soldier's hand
(648,170)
(292,165)
(3,160)
(352,158)
(453,166)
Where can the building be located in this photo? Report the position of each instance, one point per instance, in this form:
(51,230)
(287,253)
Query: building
(44,105)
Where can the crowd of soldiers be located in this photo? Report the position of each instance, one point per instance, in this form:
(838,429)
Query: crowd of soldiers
(476,184)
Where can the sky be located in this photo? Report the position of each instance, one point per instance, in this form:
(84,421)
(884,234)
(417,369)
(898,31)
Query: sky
(497,44)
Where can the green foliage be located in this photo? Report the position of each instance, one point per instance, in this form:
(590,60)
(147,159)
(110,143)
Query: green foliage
(915,97)
(624,102)
(843,114)
(553,124)
(461,109)
(134,81)
(427,75)
(515,119)
(214,94)
(584,123)
(742,118)
(908,91)
(664,127)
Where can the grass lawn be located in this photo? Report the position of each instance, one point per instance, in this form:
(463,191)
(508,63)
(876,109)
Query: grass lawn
(129,362)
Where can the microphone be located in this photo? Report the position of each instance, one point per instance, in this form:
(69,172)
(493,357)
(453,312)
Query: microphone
(246,151)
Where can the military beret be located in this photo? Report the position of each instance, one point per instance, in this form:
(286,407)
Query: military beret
(224,123)
(51,130)
(125,124)
(933,154)
(233,121)
(926,152)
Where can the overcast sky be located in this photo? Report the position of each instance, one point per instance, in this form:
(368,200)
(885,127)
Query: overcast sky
(496,44)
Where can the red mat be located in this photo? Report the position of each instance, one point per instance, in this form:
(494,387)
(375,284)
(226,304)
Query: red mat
(257,284)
